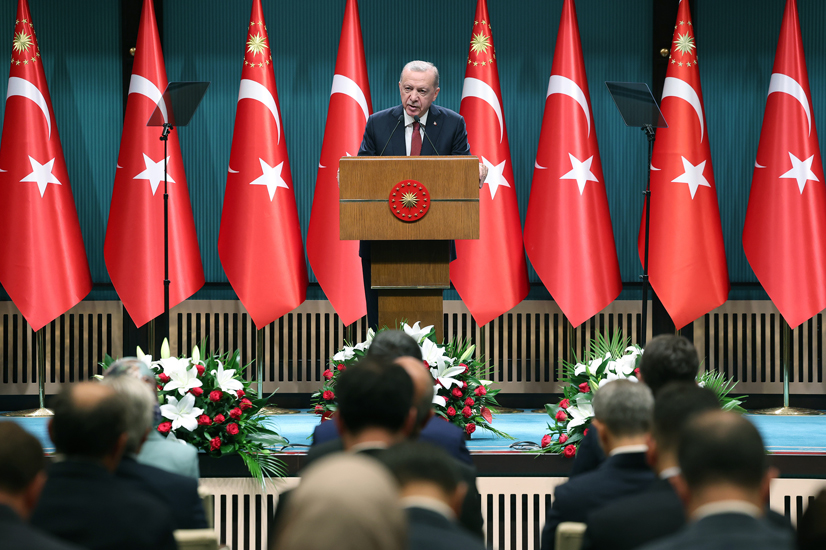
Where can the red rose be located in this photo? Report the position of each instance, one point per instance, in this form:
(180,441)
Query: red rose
(563,438)
(319,409)
(165,427)
(480,391)
(564,404)
(470,428)
(240,393)
(341,367)
(219,418)
(204,420)
(197,392)
(546,440)
(466,412)
(214,443)
(215,396)
(201,369)
(160,387)
(232,429)
(426,364)
(450,412)
(163,378)
(457,393)
(584,387)
(245,404)
(464,367)
(637,371)
(236,413)
(561,416)
(464,385)
(328,374)
(585,432)
(469,402)
(328,395)
(569,451)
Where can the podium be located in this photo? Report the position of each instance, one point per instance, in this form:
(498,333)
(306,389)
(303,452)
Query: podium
(410,208)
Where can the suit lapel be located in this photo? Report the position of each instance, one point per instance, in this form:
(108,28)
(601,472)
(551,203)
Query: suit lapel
(397,146)
(433,128)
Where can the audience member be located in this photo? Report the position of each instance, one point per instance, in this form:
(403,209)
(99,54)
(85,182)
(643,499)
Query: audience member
(724,484)
(177,457)
(347,502)
(22,475)
(432,493)
(622,413)
(82,501)
(811,528)
(180,493)
(667,358)
(656,512)
(388,345)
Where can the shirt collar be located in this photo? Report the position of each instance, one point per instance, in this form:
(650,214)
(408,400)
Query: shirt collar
(408,120)
(367,446)
(429,504)
(628,449)
(726,507)
(668,473)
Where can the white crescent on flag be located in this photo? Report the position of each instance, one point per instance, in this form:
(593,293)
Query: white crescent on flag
(474,87)
(538,167)
(24,88)
(250,89)
(788,85)
(756,165)
(348,87)
(565,86)
(231,171)
(145,87)
(675,87)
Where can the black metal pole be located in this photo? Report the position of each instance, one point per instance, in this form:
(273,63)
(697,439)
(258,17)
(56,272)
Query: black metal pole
(167,128)
(649,132)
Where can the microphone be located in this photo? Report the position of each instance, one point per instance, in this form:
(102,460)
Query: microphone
(416,119)
(401,116)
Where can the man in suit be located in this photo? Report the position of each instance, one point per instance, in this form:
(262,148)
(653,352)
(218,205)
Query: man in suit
(667,358)
(724,483)
(22,475)
(657,512)
(432,492)
(622,414)
(180,493)
(387,346)
(82,501)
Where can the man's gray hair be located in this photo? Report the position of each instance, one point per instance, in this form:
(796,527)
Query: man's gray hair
(139,402)
(624,407)
(422,67)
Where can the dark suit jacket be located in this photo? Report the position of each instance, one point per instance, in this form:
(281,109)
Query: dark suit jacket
(589,455)
(16,535)
(437,432)
(729,531)
(429,530)
(619,476)
(445,128)
(180,493)
(85,504)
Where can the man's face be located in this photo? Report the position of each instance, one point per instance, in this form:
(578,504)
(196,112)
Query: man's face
(418,91)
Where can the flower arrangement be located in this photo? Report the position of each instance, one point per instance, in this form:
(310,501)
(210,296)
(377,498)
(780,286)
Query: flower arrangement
(460,394)
(608,360)
(206,402)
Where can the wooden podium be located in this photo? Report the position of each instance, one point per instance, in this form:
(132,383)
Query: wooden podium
(410,258)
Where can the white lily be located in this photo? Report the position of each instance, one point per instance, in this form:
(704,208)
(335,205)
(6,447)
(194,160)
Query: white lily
(579,368)
(225,380)
(182,379)
(625,365)
(182,413)
(444,375)
(165,349)
(170,365)
(344,355)
(196,356)
(468,352)
(144,358)
(579,414)
(366,344)
(435,354)
(438,399)
(416,332)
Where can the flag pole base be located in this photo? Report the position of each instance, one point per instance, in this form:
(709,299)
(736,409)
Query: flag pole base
(788,411)
(271,410)
(29,413)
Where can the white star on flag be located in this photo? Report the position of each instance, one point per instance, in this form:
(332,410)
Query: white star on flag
(42,175)
(153,173)
(801,171)
(693,176)
(580,171)
(495,177)
(270,177)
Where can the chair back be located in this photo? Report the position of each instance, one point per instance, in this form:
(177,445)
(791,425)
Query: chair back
(569,535)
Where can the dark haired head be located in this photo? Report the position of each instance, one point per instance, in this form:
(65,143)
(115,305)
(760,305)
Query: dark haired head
(372,394)
(674,405)
(722,447)
(89,419)
(21,458)
(668,358)
(413,461)
(387,345)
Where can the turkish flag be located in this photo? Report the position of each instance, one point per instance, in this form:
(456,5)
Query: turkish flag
(260,239)
(687,259)
(568,233)
(43,263)
(134,245)
(336,263)
(785,232)
(490,273)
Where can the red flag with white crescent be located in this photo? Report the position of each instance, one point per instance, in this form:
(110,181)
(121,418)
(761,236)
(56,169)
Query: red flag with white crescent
(134,245)
(784,236)
(43,264)
(260,238)
(687,259)
(568,222)
(336,263)
(490,273)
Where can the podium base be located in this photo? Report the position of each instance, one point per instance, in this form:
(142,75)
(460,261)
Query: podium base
(788,411)
(29,413)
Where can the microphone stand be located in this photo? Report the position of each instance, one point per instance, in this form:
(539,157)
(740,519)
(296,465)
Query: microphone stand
(167,128)
(650,134)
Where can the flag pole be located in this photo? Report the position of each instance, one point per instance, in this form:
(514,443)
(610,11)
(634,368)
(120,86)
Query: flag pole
(40,347)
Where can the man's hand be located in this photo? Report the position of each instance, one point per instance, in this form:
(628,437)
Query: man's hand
(483,173)
(338,171)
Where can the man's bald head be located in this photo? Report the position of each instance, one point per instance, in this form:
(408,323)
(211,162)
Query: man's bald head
(422,388)
(89,420)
